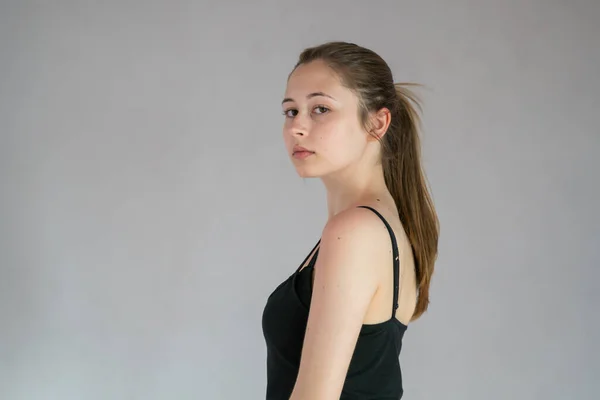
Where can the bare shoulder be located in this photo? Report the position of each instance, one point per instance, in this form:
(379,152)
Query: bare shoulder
(358,226)
(354,238)
(358,220)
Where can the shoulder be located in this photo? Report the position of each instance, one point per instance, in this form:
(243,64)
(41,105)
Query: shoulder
(354,224)
(352,237)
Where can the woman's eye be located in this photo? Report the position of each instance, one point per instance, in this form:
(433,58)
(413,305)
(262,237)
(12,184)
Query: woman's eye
(290,113)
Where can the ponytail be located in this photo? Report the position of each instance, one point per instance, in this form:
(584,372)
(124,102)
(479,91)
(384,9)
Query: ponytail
(405,179)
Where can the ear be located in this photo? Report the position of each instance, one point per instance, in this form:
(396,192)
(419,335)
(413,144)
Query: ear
(380,122)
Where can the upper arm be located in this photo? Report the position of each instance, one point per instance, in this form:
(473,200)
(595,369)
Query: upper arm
(344,285)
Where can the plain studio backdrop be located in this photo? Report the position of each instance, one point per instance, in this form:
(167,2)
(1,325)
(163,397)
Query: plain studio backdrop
(149,207)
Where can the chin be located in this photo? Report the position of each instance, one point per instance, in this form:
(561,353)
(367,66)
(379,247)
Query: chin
(307,173)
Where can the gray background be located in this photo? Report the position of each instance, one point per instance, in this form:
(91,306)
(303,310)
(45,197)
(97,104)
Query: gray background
(148,206)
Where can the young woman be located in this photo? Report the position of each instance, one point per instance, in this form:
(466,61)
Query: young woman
(334,328)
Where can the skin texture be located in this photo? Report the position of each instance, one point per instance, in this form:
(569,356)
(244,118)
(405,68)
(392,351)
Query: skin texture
(353,278)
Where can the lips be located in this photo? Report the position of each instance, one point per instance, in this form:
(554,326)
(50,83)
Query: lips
(301,153)
(300,149)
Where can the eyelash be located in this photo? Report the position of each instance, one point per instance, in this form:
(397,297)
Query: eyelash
(285,113)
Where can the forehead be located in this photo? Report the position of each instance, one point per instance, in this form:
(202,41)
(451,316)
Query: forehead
(315,76)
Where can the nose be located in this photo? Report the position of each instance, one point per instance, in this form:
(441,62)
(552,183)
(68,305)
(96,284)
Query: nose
(298,126)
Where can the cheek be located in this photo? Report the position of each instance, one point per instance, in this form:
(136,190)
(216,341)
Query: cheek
(340,143)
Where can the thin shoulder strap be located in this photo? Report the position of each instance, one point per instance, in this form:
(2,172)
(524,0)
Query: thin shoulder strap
(396,259)
(312,260)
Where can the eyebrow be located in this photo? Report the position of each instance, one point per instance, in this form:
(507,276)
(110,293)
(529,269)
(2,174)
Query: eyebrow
(309,96)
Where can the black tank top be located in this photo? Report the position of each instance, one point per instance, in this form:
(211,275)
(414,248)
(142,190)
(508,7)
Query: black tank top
(374,371)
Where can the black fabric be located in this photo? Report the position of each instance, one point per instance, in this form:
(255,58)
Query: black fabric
(374,372)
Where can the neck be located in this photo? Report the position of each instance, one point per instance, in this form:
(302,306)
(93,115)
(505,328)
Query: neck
(353,186)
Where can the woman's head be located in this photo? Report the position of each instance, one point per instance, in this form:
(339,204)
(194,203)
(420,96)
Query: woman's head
(324,115)
(342,105)
(347,126)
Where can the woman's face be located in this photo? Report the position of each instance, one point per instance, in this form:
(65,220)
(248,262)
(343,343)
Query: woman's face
(321,116)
